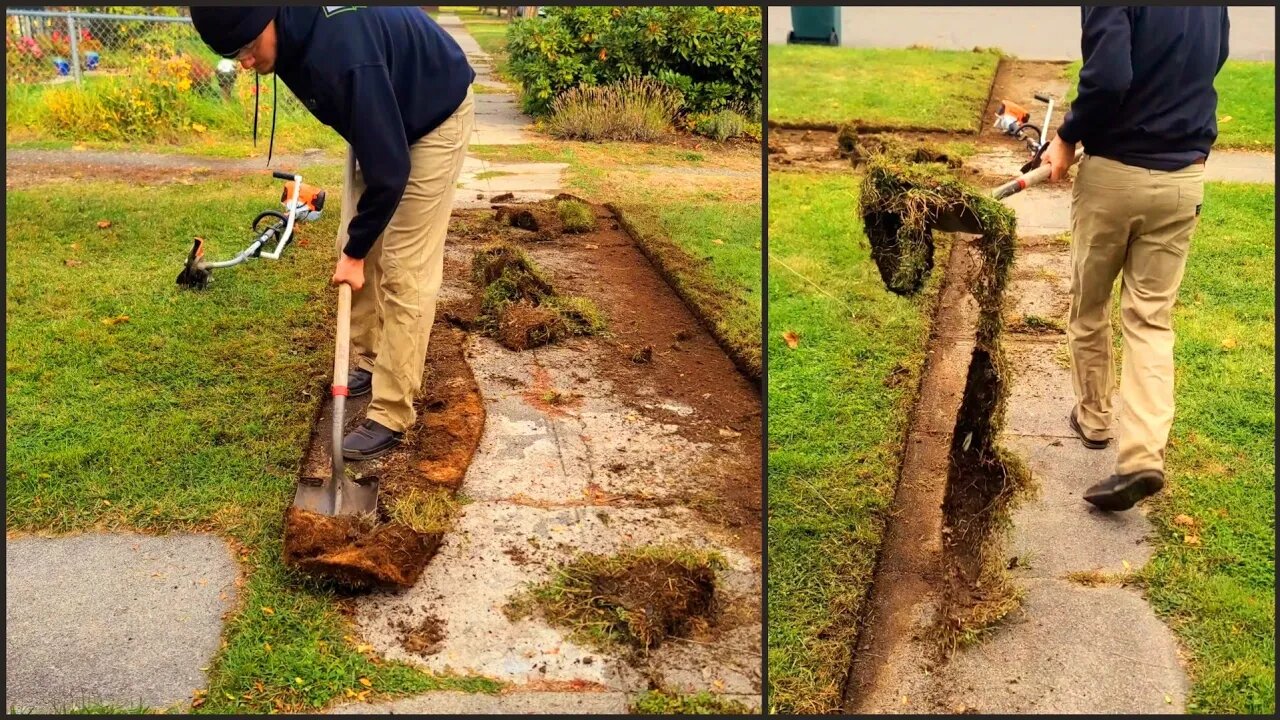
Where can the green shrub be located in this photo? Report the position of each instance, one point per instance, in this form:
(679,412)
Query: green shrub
(634,109)
(723,125)
(576,216)
(709,55)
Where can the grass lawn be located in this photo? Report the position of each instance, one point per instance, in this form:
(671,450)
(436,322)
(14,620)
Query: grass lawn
(1213,578)
(1246,103)
(922,89)
(132,404)
(835,429)
(704,230)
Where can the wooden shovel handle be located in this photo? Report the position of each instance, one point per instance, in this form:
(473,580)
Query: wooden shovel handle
(342,354)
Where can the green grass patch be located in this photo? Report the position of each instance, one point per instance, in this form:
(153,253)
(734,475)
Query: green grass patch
(132,404)
(1246,103)
(576,216)
(635,599)
(1213,577)
(839,403)
(658,702)
(912,88)
(520,308)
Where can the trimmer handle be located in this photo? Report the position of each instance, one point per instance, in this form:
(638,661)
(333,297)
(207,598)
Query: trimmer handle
(283,175)
(1042,97)
(1026,180)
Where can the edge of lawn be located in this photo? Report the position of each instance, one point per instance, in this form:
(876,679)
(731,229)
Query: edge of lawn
(286,644)
(830,557)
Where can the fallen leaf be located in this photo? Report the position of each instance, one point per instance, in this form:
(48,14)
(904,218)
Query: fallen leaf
(198,127)
(104,224)
(72,262)
(298,680)
(718,241)
(1185,521)
(1225,119)
(115,320)
(591,246)
(266,646)
(725,432)
(1125,564)
(1190,539)
(364,648)
(366,682)
(269,611)
(792,339)
(1229,344)
(351,693)
(362,695)
(229,696)
(1168,700)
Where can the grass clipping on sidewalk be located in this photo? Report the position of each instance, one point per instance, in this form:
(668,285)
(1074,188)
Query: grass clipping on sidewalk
(637,598)
(902,201)
(520,307)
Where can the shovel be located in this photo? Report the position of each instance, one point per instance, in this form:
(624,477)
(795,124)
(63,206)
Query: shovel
(338,494)
(966,222)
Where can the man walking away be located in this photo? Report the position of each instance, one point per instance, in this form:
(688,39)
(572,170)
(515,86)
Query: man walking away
(1146,113)
(397,88)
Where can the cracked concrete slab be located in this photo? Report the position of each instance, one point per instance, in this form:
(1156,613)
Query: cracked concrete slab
(496,549)
(1072,649)
(120,619)
(551,481)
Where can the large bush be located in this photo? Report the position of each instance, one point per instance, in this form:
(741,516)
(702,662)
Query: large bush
(711,56)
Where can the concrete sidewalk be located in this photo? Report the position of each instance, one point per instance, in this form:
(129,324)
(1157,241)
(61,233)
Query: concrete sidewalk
(1031,33)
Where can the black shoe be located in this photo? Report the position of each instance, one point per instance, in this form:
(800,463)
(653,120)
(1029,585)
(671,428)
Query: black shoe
(1075,425)
(359,382)
(372,439)
(1121,492)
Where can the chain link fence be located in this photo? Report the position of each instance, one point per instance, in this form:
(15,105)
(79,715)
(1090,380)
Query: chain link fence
(87,46)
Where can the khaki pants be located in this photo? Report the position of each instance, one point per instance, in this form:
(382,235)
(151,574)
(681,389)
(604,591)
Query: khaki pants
(1135,223)
(391,316)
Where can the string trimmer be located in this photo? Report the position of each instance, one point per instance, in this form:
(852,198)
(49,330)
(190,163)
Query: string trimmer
(302,203)
(967,222)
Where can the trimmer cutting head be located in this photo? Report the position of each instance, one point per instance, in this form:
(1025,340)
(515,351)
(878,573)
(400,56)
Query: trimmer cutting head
(194,275)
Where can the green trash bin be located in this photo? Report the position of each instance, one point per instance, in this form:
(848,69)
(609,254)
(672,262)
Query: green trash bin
(814,25)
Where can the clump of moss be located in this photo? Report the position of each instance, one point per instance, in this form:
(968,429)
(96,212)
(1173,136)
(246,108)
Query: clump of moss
(575,216)
(519,305)
(636,598)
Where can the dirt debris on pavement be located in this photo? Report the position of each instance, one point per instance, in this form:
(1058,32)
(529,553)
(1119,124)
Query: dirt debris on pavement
(520,308)
(639,598)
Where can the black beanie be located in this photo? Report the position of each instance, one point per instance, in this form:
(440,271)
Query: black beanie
(227,29)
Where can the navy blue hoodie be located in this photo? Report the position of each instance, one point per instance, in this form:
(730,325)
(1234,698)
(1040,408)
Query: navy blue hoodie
(383,77)
(1146,94)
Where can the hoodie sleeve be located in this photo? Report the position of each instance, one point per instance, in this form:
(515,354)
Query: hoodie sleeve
(381,149)
(1105,75)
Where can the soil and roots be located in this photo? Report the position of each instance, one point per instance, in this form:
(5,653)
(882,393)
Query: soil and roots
(901,203)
